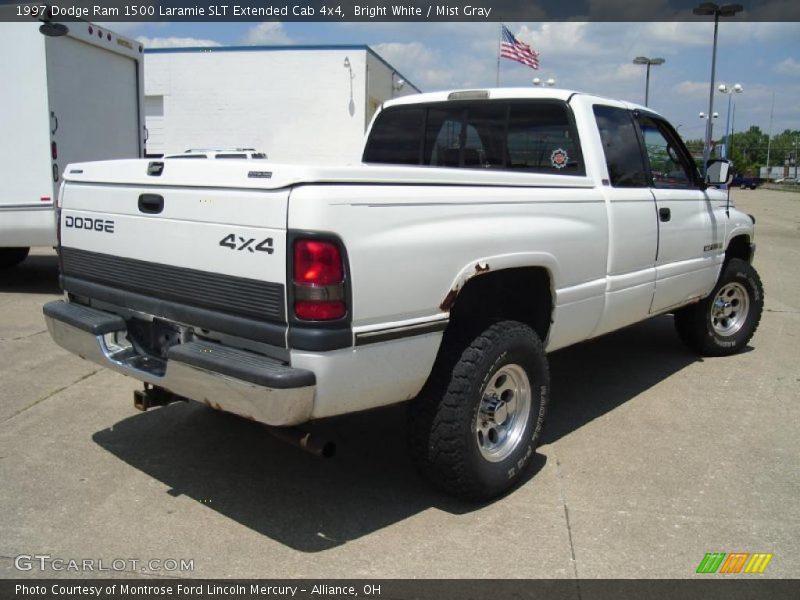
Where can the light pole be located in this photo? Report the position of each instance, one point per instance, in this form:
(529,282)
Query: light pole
(707,9)
(643,60)
(730,91)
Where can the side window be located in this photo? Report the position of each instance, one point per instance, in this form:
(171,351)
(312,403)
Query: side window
(623,153)
(668,164)
(542,139)
(395,137)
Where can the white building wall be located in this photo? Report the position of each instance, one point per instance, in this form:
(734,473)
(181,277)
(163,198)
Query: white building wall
(383,83)
(299,106)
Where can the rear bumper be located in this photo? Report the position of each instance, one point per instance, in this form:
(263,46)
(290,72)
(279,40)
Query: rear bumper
(225,378)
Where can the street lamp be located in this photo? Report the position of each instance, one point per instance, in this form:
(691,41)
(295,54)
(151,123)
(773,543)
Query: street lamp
(643,60)
(708,9)
(724,89)
(549,82)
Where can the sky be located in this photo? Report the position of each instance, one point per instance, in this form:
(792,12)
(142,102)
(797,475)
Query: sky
(592,57)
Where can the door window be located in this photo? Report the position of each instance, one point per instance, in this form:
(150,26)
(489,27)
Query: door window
(669,165)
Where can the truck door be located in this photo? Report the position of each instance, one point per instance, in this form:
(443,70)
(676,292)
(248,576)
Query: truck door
(633,231)
(94,102)
(688,233)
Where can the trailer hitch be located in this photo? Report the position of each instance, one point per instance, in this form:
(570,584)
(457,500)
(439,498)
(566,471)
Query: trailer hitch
(152,396)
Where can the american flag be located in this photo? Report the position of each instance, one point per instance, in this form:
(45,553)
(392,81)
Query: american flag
(512,48)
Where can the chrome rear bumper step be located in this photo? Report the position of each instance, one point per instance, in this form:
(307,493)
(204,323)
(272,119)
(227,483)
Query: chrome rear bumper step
(226,378)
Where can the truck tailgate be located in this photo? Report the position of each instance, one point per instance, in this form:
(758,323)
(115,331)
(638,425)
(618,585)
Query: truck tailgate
(205,256)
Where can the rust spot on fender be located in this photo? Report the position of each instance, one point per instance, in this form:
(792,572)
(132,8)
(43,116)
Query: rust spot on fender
(449,300)
(214,405)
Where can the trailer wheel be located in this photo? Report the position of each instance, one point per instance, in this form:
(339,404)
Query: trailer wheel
(474,428)
(10,257)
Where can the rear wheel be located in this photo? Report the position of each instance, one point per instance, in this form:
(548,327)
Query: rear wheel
(475,426)
(10,257)
(724,322)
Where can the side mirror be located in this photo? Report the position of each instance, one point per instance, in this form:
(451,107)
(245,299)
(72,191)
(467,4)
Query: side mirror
(718,172)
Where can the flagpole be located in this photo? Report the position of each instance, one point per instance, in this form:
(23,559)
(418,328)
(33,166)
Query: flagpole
(499,41)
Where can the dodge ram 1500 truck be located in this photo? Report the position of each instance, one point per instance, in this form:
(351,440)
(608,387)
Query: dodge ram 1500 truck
(483,229)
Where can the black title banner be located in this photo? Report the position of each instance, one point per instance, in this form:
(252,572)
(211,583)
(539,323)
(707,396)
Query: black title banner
(387,10)
(394,589)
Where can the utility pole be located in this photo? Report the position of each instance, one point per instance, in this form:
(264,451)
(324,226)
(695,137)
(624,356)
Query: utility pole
(769,136)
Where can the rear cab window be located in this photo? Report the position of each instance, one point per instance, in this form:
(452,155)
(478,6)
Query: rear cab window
(526,135)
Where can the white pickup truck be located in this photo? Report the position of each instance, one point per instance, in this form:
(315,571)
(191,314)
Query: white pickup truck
(483,229)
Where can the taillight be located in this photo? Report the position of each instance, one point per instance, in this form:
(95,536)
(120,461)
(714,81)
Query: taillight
(318,281)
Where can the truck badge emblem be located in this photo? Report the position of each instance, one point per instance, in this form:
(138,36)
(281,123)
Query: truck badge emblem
(559,158)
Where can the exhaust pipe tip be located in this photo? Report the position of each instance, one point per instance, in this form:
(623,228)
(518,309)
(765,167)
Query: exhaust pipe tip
(304,440)
(328,450)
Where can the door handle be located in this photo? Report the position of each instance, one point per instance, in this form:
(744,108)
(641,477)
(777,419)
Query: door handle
(664,214)
(152,204)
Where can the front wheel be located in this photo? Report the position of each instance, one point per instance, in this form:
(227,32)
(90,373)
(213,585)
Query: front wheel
(723,323)
(475,426)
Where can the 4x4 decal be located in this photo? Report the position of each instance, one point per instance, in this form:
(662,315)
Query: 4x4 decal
(235,242)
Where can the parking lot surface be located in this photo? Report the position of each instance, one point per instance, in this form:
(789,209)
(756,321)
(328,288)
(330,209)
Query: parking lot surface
(652,457)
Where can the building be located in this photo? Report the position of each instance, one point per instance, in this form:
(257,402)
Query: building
(299,104)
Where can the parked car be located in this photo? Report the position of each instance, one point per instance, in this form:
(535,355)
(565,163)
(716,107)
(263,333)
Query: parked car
(786,181)
(746,181)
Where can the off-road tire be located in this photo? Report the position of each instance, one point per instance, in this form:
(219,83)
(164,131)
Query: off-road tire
(695,323)
(10,257)
(444,418)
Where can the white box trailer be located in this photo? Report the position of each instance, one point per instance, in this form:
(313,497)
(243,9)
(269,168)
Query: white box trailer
(298,104)
(66,99)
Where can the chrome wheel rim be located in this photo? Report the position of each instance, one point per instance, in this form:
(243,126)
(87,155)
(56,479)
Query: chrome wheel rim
(503,413)
(729,309)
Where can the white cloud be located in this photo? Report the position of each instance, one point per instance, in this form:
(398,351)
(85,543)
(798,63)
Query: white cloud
(429,70)
(626,72)
(562,39)
(415,52)
(788,67)
(673,36)
(694,89)
(269,32)
(174,42)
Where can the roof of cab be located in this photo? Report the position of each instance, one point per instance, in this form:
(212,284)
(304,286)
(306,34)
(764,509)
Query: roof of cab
(515,93)
(481,94)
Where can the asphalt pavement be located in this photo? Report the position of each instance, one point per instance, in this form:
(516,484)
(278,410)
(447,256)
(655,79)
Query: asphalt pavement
(652,457)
